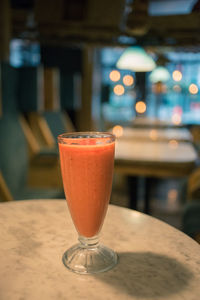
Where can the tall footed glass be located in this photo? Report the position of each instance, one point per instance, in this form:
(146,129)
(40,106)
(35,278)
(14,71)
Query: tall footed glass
(87,160)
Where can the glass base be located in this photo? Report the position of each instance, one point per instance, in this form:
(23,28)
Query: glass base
(89,258)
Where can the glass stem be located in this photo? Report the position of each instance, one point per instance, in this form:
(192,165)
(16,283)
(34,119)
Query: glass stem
(91,242)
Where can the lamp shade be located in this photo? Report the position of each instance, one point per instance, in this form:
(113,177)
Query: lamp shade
(136,59)
(159,74)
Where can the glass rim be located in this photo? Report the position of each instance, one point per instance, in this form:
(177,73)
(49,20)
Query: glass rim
(85,135)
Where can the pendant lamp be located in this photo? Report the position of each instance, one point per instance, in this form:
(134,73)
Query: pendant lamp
(136,59)
(159,74)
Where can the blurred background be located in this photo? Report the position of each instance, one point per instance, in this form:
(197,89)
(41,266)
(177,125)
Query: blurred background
(66,66)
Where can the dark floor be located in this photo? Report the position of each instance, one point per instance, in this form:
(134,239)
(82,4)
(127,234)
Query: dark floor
(166,198)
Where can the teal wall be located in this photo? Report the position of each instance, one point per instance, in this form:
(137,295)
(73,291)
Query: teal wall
(9,88)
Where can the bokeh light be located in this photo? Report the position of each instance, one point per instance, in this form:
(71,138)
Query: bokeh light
(118,90)
(159,87)
(177,88)
(173,144)
(153,134)
(178,110)
(195,106)
(177,75)
(117,130)
(140,107)
(128,80)
(172,199)
(114,75)
(176,119)
(193,89)
(172,195)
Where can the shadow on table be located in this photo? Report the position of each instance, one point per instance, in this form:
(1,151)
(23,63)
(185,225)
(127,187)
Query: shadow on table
(147,275)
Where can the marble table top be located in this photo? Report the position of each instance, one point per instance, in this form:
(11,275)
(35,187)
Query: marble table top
(156,261)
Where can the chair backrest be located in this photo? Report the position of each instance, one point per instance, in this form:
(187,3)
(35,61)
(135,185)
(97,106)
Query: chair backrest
(13,153)
(58,122)
(32,142)
(68,122)
(41,130)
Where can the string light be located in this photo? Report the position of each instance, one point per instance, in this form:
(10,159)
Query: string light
(128,80)
(153,134)
(177,88)
(118,90)
(176,118)
(178,110)
(193,89)
(172,195)
(118,130)
(177,75)
(114,75)
(140,107)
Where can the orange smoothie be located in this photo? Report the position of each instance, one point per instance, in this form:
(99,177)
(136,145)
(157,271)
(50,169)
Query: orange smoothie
(87,170)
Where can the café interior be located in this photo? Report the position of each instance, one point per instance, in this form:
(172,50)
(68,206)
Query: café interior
(121,80)
(129,67)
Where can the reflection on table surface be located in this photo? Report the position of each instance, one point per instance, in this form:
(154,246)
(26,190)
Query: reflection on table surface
(156,261)
(153,122)
(171,151)
(160,134)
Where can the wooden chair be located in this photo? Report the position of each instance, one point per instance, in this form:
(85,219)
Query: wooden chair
(58,122)
(44,170)
(48,125)
(5,194)
(195,131)
(193,187)
(26,175)
(41,130)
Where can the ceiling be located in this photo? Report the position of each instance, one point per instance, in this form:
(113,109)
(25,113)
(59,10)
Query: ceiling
(170,7)
(153,23)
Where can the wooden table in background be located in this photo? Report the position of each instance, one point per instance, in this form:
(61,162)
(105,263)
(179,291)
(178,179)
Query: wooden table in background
(156,261)
(150,159)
